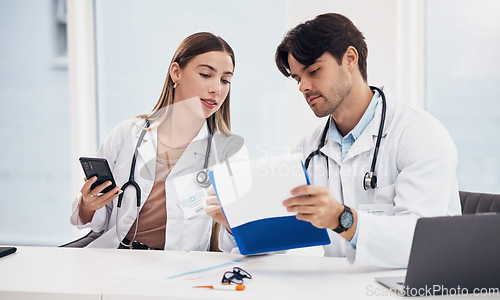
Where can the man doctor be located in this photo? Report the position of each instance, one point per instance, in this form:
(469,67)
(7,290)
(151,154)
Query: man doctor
(415,167)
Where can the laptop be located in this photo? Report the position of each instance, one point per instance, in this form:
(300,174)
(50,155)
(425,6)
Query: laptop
(453,255)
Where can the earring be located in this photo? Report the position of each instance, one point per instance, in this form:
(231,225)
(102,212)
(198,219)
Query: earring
(175,85)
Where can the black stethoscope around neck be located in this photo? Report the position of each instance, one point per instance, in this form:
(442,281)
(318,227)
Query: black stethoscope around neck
(370,180)
(201,176)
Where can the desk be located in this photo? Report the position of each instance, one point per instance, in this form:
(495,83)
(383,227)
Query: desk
(274,277)
(67,273)
(71,273)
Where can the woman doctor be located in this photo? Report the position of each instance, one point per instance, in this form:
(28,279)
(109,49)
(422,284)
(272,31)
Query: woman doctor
(190,122)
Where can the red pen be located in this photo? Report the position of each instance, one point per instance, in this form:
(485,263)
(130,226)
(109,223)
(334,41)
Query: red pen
(225,287)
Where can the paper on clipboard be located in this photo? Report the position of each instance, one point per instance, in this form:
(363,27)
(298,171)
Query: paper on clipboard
(251,194)
(254,190)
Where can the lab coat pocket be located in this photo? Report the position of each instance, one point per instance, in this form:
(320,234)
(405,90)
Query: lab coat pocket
(385,194)
(383,202)
(183,185)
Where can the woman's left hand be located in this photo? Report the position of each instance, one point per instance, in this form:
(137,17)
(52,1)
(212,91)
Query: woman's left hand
(214,210)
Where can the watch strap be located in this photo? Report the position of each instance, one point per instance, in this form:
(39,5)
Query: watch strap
(341,228)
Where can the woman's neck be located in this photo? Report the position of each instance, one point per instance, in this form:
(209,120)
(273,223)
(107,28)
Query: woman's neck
(180,126)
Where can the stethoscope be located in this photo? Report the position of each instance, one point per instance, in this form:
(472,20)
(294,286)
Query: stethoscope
(201,178)
(370,180)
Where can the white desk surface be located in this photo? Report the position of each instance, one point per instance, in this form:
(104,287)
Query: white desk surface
(70,273)
(67,273)
(277,276)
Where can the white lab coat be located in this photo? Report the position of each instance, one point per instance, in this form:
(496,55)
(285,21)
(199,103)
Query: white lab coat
(181,234)
(416,172)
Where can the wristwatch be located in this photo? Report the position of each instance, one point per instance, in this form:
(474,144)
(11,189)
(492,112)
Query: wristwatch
(346,220)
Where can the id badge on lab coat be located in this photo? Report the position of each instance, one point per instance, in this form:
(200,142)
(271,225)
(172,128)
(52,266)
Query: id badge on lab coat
(377,209)
(193,205)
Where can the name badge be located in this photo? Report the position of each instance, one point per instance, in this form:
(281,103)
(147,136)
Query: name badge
(193,205)
(377,209)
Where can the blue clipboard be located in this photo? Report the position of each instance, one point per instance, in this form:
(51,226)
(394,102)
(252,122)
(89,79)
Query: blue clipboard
(275,234)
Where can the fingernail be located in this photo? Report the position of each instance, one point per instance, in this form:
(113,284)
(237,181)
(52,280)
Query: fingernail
(108,183)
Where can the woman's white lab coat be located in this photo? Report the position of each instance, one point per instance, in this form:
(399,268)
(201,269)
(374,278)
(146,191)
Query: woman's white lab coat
(181,234)
(416,172)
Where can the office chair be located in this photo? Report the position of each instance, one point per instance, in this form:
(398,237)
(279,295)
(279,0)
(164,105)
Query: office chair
(83,241)
(473,203)
(89,237)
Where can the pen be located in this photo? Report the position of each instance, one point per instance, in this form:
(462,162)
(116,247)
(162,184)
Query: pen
(226,287)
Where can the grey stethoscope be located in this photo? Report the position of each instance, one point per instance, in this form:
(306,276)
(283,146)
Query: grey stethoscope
(370,180)
(201,177)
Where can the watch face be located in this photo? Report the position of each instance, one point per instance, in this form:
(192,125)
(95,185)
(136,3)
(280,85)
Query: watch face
(346,220)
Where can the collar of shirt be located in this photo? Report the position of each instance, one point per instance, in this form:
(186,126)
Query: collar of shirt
(347,141)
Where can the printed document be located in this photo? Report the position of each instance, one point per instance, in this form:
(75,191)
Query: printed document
(255,190)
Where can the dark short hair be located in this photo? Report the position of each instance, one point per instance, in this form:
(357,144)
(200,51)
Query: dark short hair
(327,32)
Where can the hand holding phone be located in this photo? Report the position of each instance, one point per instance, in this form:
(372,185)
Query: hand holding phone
(95,193)
(98,167)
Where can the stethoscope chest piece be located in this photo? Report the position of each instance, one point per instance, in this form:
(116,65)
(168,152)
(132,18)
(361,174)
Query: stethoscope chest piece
(202,178)
(370,181)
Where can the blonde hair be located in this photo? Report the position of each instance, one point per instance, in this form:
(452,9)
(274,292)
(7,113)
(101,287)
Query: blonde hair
(190,47)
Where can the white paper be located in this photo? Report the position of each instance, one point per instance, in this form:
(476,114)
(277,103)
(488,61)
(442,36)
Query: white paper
(187,266)
(254,190)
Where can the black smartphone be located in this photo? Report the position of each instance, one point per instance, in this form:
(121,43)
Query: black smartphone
(98,167)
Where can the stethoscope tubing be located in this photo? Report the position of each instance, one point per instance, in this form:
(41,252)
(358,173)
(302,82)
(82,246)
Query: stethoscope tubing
(377,144)
(131,180)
